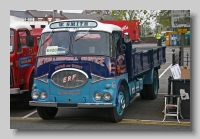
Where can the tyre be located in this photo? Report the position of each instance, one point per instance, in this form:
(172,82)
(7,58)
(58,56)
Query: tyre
(26,96)
(153,88)
(116,113)
(143,92)
(47,113)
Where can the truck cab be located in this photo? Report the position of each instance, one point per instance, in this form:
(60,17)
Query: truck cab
(23,51)
(88,64)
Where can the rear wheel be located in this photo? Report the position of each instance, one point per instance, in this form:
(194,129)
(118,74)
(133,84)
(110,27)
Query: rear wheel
(153,88)
(47,113)
(143,92)
(116,113)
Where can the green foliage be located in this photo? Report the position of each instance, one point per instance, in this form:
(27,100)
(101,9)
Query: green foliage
(164,18)
(147,37)
(144,16)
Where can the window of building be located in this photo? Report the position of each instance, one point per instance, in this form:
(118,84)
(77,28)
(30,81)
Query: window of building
(33,26)
(49,19)
(42,26)
(30,19)
(40,19)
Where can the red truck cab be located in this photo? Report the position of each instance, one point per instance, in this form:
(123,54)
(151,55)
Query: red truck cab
(23,51)
(130,27)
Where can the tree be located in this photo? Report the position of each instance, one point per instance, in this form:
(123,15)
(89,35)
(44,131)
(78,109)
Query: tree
(164,18)
(144,16)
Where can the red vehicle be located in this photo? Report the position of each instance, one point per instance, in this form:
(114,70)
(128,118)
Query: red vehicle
(131,27)
(22,59)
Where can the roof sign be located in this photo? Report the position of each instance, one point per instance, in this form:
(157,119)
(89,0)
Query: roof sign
(73,24)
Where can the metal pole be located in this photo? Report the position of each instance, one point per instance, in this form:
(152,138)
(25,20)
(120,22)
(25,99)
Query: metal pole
(179,56)
(173,56)
(182,47)
(187,58)
(169,87)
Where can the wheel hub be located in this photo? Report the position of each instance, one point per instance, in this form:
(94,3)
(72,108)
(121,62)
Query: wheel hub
(122,103)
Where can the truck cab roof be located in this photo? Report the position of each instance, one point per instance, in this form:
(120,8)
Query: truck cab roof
(17,23)
(100,26)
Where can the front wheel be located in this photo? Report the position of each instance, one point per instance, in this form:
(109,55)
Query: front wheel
(153,88)
(116,113)
(47,113)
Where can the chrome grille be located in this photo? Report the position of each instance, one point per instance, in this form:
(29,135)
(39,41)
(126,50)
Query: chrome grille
(11,78)
(69,78)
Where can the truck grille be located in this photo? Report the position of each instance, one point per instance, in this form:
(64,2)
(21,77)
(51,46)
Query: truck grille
(11,78)
(69,78)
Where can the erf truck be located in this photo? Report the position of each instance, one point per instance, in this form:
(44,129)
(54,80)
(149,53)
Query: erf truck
(22,59)
(131,27)
(95,69)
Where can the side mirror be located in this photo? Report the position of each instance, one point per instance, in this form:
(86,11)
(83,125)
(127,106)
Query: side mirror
(29,40)
(126,38)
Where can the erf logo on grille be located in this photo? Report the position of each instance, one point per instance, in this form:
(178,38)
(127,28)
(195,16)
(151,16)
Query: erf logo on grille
(70,78)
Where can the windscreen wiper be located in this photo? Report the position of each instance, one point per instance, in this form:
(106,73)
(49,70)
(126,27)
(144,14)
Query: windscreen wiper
(48,37)
(83,35)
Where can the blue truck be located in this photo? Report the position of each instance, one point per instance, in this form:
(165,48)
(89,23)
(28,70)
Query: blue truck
(95,68)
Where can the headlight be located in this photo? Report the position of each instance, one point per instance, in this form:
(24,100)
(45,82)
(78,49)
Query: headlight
(97,96)
(43,95)
(107,96)
(35,95)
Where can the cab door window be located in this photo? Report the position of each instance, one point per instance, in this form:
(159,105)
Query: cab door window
(21,39)
(117,42)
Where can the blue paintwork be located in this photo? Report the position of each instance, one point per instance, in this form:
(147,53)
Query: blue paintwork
(148,78)
(86,92)
(92,66)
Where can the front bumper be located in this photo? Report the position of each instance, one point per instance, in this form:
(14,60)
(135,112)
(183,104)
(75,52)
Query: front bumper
(68,105)
(14,91)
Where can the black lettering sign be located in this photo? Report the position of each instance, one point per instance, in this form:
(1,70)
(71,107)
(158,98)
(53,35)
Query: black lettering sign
(61,24)
(73,24)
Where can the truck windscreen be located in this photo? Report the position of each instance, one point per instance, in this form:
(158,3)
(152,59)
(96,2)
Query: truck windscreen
(91,43)
(55,44)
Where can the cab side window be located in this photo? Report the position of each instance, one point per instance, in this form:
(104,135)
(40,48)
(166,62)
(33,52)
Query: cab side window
(117,42)
(112,47)
(21,39)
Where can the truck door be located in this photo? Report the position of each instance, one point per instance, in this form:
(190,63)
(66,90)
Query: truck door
(24,57)
(120,56)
